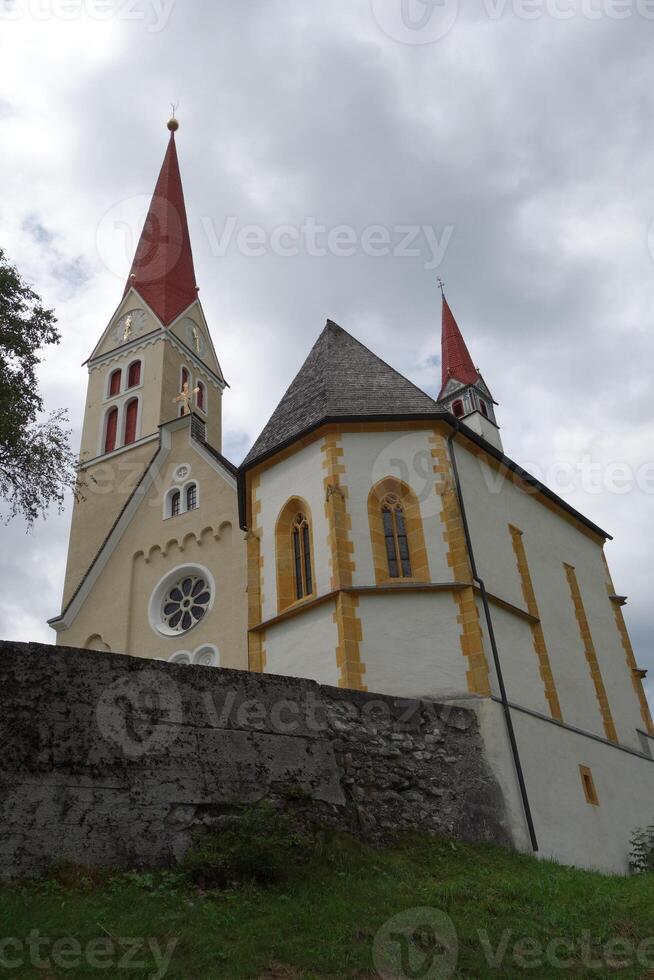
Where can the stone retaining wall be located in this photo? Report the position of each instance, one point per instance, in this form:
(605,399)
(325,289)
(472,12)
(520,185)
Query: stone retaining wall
(112,760)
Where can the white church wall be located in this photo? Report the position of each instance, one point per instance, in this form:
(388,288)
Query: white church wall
(520,666)
(492,503)
(299,475)
(304,646)
(569,829)
(411,645)
(371,456)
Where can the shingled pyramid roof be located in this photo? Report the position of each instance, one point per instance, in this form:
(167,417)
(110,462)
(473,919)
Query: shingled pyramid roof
(339,379)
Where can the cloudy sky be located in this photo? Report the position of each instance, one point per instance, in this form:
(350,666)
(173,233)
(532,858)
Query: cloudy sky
(375,145)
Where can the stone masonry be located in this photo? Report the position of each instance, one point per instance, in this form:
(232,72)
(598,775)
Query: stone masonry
(112,761)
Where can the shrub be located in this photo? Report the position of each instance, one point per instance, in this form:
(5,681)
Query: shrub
(641,858)
(257,844)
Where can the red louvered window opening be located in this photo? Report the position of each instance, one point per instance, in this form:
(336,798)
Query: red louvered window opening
(134,376)
(110,433)
(131,413)
(114,384)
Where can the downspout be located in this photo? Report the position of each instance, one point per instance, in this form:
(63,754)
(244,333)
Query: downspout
(496,656)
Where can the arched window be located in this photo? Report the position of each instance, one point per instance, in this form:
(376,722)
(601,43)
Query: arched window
(293,541)
(134,374)
(396,534)
(114,383)
(457,408)
(111,429)
(302,557)
(484,410)
(186,380)
(200,398)
(191,496)
(175,503)
(131,415)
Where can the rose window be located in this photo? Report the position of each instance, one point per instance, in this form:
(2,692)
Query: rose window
(186,603)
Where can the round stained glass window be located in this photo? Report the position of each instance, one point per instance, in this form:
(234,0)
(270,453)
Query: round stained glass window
(186,603)
(181,600)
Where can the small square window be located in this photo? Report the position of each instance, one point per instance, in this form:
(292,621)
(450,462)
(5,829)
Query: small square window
(588,783)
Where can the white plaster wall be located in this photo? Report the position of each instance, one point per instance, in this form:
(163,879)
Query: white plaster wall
(304,646)
(410,644)
(371,456)
(568,828)
(520,667)
(492,503)
(300,475)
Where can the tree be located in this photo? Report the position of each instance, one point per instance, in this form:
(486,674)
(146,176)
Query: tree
(37,465)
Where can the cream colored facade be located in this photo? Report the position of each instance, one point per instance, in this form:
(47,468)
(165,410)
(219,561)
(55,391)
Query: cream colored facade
(123,539)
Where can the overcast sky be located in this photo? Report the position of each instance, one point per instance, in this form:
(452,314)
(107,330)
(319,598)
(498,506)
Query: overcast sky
(505,147)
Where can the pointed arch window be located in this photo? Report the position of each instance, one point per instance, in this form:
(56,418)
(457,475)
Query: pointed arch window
(191,496)
(111,429)
(294,554)
(396,533)
(114,383)
(395,537)
(302,557)
(134,374)
(131,416)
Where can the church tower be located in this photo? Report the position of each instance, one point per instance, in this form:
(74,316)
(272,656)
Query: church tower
(154,361)
(464,392)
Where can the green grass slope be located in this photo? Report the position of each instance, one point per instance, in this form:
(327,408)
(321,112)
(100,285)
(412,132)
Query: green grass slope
(511,916)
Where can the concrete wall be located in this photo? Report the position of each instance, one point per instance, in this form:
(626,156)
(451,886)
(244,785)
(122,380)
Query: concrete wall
(123,759)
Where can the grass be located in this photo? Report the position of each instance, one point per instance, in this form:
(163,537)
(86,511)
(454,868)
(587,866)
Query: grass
(320,922)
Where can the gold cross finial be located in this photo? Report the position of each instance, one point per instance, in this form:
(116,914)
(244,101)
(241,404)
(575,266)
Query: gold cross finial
(184,398)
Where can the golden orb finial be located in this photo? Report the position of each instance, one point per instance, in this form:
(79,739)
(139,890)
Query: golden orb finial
(173,125)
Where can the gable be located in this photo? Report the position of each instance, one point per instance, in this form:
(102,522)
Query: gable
(192,330)
(118,335)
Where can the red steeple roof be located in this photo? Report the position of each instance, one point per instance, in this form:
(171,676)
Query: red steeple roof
(456,360)
(162,271)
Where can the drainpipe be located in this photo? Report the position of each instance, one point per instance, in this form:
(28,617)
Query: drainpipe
(496,656)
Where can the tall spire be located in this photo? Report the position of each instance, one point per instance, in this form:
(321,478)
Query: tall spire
(456,360)
(162,271)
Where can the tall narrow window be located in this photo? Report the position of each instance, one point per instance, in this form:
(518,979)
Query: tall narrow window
(191,497)
(111,430)
(200,397)
(457,408)
(175,503)
(395,536)
(134,375)
(482,405)
(302,557)
(185,378)
(131,414)
(114,383)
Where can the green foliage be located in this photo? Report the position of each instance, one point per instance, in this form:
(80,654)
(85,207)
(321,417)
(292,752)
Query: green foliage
(258,844)
(320,922)
(36,462)
(641,858)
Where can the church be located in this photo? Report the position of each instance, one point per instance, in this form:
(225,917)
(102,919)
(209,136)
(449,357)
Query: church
(373,539)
